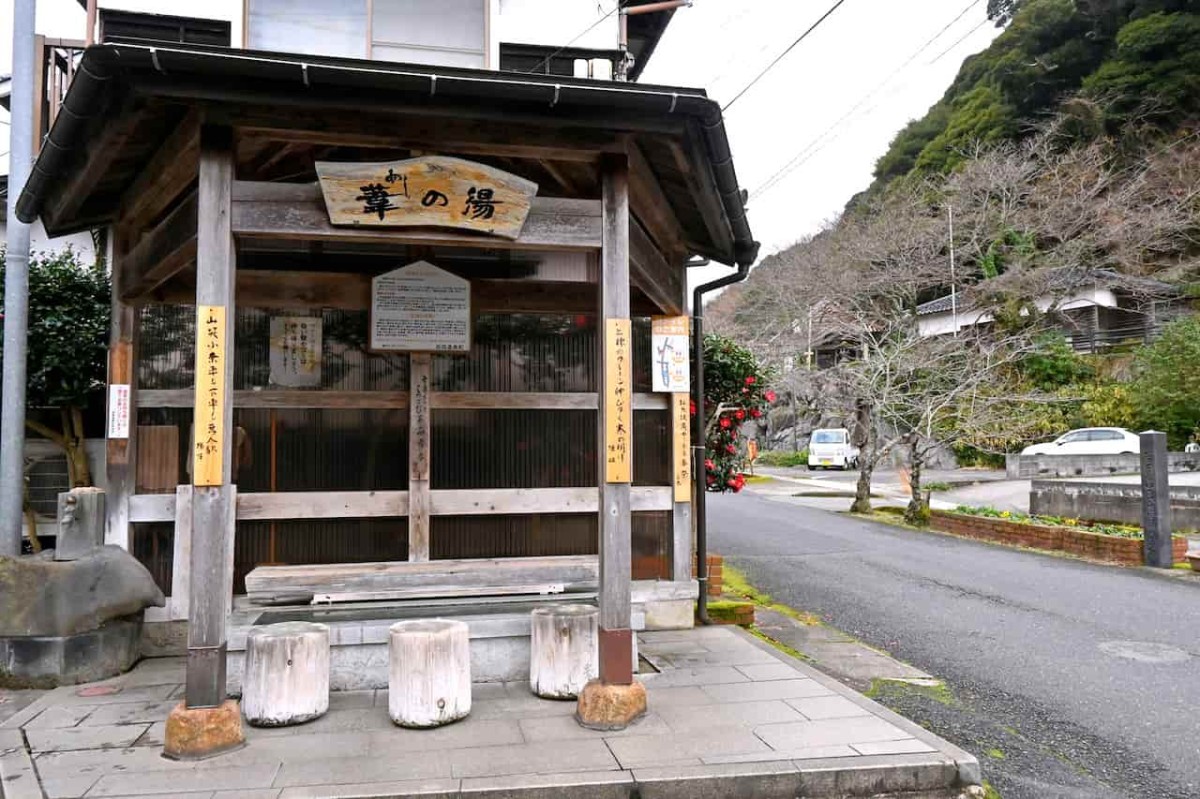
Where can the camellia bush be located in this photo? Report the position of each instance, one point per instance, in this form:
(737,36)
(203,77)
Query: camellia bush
(735,389)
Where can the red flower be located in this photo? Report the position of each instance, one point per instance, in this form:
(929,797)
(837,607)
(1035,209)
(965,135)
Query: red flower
(581,320)
(732,483)
(724,423)
(739,414)
(770,395)
(708,464)
(745,390)
(755,413)
(692,407)
(730,448)
(733,433)
(751,380)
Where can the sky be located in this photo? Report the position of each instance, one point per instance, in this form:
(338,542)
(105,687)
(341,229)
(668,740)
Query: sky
(831,105)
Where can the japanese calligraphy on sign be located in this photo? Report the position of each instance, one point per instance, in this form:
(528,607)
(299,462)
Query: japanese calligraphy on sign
(669,348)
(681,453)
(296,351)
(209,427)
(420,308)
(618,401)
(432,191)
(118,411)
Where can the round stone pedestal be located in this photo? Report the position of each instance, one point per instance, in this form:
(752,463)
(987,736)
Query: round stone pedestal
(286,680)
(563,650)
(429,672)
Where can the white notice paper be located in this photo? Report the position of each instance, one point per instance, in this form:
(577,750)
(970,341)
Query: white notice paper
(669,342)
(118,410)
(420,308)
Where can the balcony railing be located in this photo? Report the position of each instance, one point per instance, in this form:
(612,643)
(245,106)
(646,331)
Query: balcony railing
(57,61)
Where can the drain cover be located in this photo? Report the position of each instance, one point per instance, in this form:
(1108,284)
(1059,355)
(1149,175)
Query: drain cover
(1144,652)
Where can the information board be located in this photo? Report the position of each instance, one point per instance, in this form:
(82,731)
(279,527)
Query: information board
(420,308)
(669,349)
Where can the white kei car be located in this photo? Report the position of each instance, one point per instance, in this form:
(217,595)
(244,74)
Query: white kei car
(1090,441)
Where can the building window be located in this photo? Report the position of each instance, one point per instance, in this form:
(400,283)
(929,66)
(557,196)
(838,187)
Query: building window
(126,26)
(315,27)
(444,32)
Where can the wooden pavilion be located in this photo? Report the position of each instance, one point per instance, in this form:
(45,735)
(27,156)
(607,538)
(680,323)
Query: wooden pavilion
(538,450)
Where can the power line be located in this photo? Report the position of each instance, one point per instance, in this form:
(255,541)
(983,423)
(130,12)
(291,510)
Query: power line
(781,56)
(808,151)
(579,36)
(962,39)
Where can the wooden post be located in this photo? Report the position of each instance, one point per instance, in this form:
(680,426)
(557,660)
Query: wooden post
(121,449)
(213,501)
(681,512)
(419,375)
(615,417)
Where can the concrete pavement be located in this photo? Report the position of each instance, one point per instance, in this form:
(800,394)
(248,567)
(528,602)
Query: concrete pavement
(1080,679)
(729,717)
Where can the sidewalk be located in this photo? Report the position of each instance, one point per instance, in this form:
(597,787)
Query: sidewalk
(729,716)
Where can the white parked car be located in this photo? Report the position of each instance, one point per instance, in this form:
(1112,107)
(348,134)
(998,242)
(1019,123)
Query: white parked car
(1090,441)
(832,448)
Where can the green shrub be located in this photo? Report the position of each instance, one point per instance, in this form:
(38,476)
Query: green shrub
(783,458)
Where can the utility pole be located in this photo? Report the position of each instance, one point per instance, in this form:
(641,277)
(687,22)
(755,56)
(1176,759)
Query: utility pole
(953,280)
(16,284)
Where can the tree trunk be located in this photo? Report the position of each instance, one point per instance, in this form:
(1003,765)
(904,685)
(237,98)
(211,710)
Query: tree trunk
(862,493)
(31,520)
(76,452)
(917,512)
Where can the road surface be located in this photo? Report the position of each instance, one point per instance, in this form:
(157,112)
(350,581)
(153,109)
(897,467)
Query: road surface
(1069,679)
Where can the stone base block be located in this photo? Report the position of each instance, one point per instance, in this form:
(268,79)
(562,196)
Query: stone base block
(202,732)
(52,660)
(610,707)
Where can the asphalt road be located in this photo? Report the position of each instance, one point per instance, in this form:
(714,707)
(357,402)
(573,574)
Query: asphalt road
(1068,679)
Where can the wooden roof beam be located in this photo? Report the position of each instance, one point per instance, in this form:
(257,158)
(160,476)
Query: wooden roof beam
(169,173)
(77,185)
(162,252)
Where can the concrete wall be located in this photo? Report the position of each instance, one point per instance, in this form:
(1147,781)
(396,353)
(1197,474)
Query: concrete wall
(1112,502)
(1027,467)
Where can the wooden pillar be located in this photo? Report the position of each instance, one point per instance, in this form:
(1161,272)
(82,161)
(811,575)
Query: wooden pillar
(419,377)
(615,428)
(122,427)
(213,500)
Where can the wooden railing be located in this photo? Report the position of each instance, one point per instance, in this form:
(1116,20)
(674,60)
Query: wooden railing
(57,60)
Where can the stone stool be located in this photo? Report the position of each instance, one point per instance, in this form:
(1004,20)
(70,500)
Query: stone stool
(429,672)
(286,680)
(564,650)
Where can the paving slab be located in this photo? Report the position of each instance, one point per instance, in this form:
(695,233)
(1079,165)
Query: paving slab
(728,717)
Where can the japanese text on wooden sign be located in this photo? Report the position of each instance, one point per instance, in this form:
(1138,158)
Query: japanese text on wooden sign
(420,308)
(209,445)
(681,452)
(432,191)
(618,401)
(669,346)
(118,411)
(295,356)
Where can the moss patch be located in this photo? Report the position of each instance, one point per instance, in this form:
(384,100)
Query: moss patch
(995,754)
(734,583)
(939,693)
(758,479)
(782,647)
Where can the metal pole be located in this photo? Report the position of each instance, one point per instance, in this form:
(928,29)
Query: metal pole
(16,284)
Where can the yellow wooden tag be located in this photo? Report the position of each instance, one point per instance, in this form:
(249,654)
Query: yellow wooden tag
(681,452)
(618,401)
(208,447)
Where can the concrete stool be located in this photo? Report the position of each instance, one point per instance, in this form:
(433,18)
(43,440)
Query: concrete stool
(286,680)
(429,672)
(564,650)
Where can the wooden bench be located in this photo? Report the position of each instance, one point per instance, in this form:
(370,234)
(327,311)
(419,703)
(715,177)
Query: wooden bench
(363,582)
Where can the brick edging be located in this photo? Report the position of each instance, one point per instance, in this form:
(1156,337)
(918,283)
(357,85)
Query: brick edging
(1092,546)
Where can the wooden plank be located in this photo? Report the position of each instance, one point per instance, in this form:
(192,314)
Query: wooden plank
(660,280)
(553,224)
(651,208)
(214,508)
(121,454)
(167,174)
(163,251)
(181,583)
(212,429)
(575,573)
(419,431)
(322,505)
(77,184)
(152,508)
(368,400)
(158,459)
(614,513)
(428,191)
(513,501)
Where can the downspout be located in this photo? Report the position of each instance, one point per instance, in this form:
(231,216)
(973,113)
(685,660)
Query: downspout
(699,472)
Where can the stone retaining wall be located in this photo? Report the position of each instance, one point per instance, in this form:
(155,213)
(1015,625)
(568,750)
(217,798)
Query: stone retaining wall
(1027,467)
(1110,502)
(1093,546)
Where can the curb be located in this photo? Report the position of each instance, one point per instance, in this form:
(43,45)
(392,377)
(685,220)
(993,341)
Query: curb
(18,780)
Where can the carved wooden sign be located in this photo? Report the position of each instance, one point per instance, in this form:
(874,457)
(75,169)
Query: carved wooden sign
(420,308)
(430,191)
(208,448)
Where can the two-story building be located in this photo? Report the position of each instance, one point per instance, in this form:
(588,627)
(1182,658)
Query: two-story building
(382,271)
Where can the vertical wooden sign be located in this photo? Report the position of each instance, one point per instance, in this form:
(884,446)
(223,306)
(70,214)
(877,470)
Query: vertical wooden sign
(209,426)
(681,453)
(618,401)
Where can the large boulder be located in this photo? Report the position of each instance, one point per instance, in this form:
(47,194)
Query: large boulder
(42,597)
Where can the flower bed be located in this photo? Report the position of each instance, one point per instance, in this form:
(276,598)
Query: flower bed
(1108,543)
